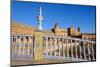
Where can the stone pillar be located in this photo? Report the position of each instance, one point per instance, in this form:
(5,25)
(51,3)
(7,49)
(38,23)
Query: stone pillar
(38,46)
(76,50)
(88,47)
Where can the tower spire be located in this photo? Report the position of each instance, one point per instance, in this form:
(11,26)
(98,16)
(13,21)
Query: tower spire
(40,19)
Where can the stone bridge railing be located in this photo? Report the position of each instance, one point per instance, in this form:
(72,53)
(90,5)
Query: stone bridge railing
(22,46)
(40,46)
(68,48)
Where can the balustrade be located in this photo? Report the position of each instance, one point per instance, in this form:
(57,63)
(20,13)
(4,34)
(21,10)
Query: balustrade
(70,48)
(66,47)
(22,46)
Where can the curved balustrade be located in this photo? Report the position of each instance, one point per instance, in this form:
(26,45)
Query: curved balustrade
(68,48)
(54,47)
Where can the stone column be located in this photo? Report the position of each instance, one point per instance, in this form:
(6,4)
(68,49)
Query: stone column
(38,46)
(76,49)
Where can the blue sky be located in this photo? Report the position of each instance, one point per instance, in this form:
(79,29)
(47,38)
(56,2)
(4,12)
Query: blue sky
(66,15)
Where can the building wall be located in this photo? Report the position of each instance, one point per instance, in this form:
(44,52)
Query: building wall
(73,32)
(89,36)
(21,29)
(60,32)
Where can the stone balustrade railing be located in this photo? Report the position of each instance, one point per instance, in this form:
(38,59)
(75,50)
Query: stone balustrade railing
(22,46)
(69,47)
(39,46)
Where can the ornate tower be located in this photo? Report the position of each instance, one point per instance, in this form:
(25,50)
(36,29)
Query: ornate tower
(78,29)
(56,25)
(40,19)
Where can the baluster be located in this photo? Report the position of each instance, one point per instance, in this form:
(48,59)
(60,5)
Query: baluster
(12,40)
(80,48)
(12,47)
(50,46)
(67,49)
(63,47)
(32,47)
(15,46)
(46,45)
(93,58)
(71,49)
(54,46)
(76,49)
(59,46)
(19,46)
(88,51)
(84,49)
(24,46)
(28,45)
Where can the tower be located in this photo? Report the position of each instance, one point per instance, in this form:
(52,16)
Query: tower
(56,25)
(40,19)
(78,29)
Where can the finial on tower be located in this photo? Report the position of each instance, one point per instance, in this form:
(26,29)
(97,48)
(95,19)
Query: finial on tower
(78,29)
(56,25)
